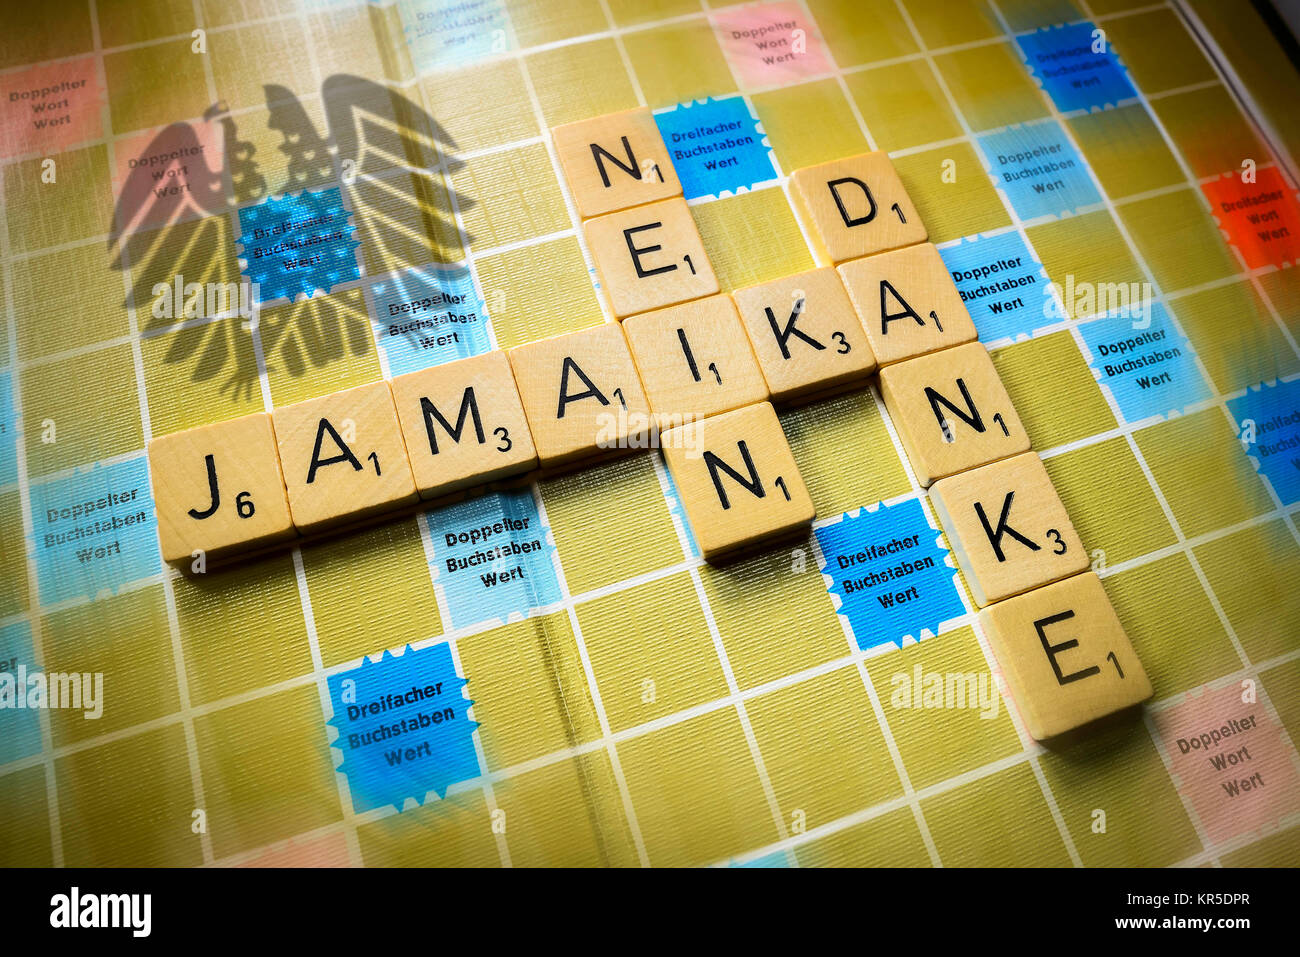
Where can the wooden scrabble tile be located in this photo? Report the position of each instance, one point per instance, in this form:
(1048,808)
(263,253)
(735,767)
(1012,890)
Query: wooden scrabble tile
(343,456)
(463,424)
(694,360)
(805,333)
(737,480)
(951,411)
(1008,528)
(218,489)
(615,161)
(907,302)
(650,257)
(1065,656)
(582,395)
(856,206)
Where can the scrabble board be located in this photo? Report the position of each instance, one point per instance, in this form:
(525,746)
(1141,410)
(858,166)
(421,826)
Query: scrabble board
(216,208)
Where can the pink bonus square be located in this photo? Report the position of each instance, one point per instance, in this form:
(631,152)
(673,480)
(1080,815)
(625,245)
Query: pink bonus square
(44,109)
(1230,761)
(331,850)
(770,44)
(169,174)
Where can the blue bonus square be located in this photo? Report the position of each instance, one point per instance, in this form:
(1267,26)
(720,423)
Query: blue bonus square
(1149,367)
(889,572)
(430,315)
(1077,67)
(1002,284)
(492,557)
(298,244)
(775,859)
(20,727)
(94,530)
(1039,169)
(715,146)
(1268,419)
(403,727)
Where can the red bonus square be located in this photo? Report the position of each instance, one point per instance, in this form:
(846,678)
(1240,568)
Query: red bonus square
(1262,219)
